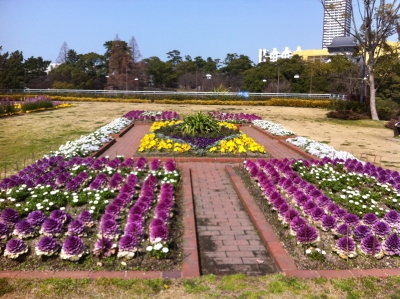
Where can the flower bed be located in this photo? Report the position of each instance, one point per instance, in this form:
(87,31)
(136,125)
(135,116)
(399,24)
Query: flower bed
(318,149)
(332,206)
(141,115)
(229,140)
(115,213)
(34,104)
(274,129)
(236,118)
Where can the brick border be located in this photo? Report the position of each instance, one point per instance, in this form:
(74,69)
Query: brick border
(190,263)
(279,254)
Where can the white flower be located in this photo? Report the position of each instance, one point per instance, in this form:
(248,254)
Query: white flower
(51,203)
(62,208)
(1,199)
(323,252)
(18,205)
(157,240)
(75,200)
(165,250)
(308,251)
(158,246)
(149,248)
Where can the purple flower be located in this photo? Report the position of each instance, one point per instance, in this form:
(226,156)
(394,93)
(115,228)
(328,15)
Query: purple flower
(114,210)
(170,165)
(59,215)
(51,227)
(72,249)
(155,165)
(381,229)
(104,247)
(343,229)
(391,245)
(162,214)
(392,218)
(345,247)
(317,213)
(332,208)
(127,188)
(136,229)
(339,213)
(14,248)
(109,229)
(47,246)
(309,207)
(127,246)
(36,218)
(370,219)
(290,215)
(156,222)
(297,223)
(5,232)
(370,246)
(328,222)
(9,216)
(362,231)
(106,217)
(307,234)
(86,218)
(158,233)
(135,218)
(76,228)
(351,219)
(24,229)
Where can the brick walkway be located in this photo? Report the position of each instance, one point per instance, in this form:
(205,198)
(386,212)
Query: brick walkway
(272,146)
(228,241)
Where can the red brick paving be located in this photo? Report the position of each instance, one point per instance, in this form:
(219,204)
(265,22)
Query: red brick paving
(221,220)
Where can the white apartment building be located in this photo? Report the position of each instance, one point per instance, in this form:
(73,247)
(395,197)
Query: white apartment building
(264,54)
(337,20)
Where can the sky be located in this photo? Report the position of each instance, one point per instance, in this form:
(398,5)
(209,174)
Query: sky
(206,28)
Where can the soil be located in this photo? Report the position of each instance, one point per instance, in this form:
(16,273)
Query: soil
(330,261)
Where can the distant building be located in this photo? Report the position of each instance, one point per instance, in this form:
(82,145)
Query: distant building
(313,54)
(342,45)
(337,20)
(52,66)
(263,55)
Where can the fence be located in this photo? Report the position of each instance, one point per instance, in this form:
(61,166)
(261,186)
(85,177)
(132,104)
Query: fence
(166,93)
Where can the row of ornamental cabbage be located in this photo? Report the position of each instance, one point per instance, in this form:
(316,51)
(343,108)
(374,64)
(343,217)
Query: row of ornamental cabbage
(356,203)
(52,206)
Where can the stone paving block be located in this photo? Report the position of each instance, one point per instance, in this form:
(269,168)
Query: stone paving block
(232,261)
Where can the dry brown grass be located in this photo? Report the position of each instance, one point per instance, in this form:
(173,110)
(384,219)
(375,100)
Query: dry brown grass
(38,133)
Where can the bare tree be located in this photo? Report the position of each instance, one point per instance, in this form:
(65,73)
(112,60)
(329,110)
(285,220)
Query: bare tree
(62,56)
(135,52)
(380,20)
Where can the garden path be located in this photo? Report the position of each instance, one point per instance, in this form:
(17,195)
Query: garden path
(228,241)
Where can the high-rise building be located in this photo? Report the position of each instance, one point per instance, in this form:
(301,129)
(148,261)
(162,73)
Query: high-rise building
(337,20)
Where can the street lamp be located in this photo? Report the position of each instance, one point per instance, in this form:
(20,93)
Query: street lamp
(137,83)
(279,72)
(264,81)
(297,76)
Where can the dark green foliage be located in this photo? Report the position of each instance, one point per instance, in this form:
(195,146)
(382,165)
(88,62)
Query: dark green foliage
(199,123)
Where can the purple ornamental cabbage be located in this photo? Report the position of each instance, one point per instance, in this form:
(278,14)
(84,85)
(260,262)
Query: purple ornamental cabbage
(307,234)
(135,218)
(317,213)
(113,209)
(5,232)
(51,227)
(297,223)
(345,248)
(106,217)
(340,213)
(309,207)
(36,218)
(104,247)
(381,229)
(158,233)
(392,218)
(371,246)
(15,248)
(24,229)
(162,214)
(361,232)
(73,249)
(290,215)
(135,229)
(343,230)
(109,229)
(370,219)
(351,219)
(155,165)
(76,228)
(87,218)
(47,246)
(391,246)
(59,215)
(9,216)
(170,166)
(328,222)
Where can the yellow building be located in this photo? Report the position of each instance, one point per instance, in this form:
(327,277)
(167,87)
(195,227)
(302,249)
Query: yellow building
(312,55)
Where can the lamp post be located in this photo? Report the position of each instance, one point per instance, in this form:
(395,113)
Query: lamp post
(279,72)
(264,81)
(137,83)
(297,76)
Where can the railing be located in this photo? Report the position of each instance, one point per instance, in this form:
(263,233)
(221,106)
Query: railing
(194,94)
